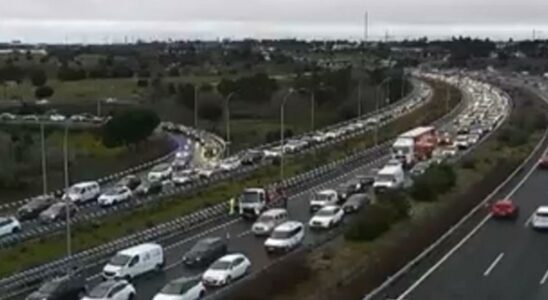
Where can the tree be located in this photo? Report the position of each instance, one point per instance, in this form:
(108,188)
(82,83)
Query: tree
(210,110)
(38,77)
(129,127)
(185,95)
(43,92)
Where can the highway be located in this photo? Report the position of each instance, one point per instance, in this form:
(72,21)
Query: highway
(238,236)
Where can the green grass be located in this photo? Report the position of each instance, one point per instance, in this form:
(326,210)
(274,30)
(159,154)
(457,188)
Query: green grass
(31,253)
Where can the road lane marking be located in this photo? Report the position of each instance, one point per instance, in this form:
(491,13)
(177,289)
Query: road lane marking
(543,279)
(529,220)
(463,241)
(493,264)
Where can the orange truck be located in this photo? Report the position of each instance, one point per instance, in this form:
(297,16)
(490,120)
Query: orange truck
(415,145)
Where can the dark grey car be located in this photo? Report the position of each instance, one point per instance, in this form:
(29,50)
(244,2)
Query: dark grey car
(355,203)
(68,287)
(56,212)
(205,251)
(33,208)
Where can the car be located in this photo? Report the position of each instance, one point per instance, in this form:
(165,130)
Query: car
(504,208)
(56,212)
(30,118)
(57,118)
(182,155)
(366,180)
(473,138)
(7,117)
(34,207)
(268,220)
(252,157)
(9,225)
(112,290)
(67,287)
(230,164)
(462,142)
(444,139)
(130,181)
(540,218)
(114,196)
(323,198)
(226,269)
(160,172)
(355,203)
(205,251)
(347,189)
(543,163)
(205,172)
(327,217)
(449,151)
(135,261)
(41,102)
(148,188)
(78,118)
(285,237)
(272,153)
(83,192)
(182,289)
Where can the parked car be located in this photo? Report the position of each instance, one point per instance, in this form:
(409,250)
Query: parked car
(33,208)
(148,188)
(355,203)
(327,217)
(57,211)
(9,225)
(112,290)
(504,209)
(285,237)
(132,262)
(114,196)
(268,220)
(68,287)
(182,289)
(130,181)
(205,251)
(226,269)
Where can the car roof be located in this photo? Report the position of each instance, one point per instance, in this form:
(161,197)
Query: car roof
(288,226)
(542,209)
(329,208)
(209,240)
(110,283)
(274,211)
(85,184)
(326,192)
(139,249)
(231,257)
(357,197)
(185,279)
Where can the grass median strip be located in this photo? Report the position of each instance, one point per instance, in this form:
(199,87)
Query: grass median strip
(31,253)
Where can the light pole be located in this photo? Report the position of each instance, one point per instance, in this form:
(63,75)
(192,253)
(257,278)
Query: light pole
(196,106)
(227,117)
(44,163)
(359,98)
(312,105)
(67,199)
(282,133)
(376,134)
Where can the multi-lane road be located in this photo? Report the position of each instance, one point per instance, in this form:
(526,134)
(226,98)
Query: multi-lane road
(494,259)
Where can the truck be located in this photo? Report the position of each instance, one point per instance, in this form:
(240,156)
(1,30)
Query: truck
(415,145)
(390,177)
(253,201)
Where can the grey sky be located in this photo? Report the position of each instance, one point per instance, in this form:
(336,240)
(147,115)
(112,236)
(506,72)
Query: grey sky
(111,20)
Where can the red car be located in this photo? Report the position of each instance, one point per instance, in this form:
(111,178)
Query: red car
(504,209)
(543,163)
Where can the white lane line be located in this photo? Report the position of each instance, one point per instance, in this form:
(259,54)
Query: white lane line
(543,279)
(493,264)
(529,220)
(463,241)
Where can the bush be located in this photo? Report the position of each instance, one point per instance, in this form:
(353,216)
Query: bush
(43,92)
(397,202)
(370,223)
(469,163)
(435,181)
(513,136)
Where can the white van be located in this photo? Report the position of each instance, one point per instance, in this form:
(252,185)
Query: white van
(389,178)
(83,192)
(269,220)
(134,261)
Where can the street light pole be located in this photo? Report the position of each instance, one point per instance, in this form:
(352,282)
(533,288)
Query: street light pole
(44,163)
(67,199)
(282,133)
(227,116)
(359,98)
(376,133)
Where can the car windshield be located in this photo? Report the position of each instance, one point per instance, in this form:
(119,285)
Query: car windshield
(400,150)
(175,288)
(50,287)
(114,192)
(265,219)
(56,207)
(542,214)
(322,197)
(325,213)
(385,177)
(249,197)
(160,168)
(119,260)
(220,265)
(278,234)
(100,291)
(75,190)
(201,246)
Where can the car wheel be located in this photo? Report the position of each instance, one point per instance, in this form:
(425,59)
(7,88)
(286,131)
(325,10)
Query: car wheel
(201,295)
(228,280)
(131,296)
(127,278)
(15,230)
(159,267)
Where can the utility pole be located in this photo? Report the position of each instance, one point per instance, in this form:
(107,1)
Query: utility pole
(44,171)
(68,203)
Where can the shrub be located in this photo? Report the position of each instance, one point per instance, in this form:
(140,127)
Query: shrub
(436,180)
(469,163)
(397,202)
(370,223)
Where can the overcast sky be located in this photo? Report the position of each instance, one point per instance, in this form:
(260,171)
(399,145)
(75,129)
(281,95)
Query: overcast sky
(112,20)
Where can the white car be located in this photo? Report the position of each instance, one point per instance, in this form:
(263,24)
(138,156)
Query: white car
(450,151)
(473,139)
(112,290)
(9,225)
(540,218)
(114,196)
(31,118)
(462,141)
(269,220)
(273,153)
(205,172)
(181,155)
(78,118)
(182,177)
(323,198)
(57,118)
(226,269)
(327,217)
(7,117)
(285,237)
(42,102)
(230,164)
(182,289)
(160,172)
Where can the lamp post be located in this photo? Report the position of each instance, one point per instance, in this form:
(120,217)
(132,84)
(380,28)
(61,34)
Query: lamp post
(67,199)
(376,135)
(312,105)
(282,133)
(227,117)
(44,163)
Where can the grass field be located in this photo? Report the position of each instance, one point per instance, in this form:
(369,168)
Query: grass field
(34,252)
